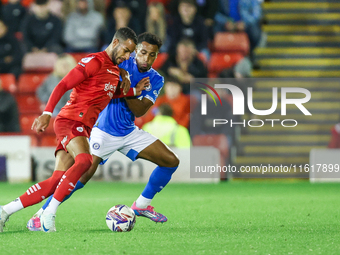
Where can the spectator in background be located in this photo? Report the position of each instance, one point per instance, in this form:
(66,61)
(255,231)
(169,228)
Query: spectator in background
(71,6)
(83,28)
(179,103)
(10,52)
(185,64)
(12,14)
(228,17)
(203,124)
(42,30)
(188,25)
(251,12)
(165,128)
(121,16)
(205,8)
(239,16)
(156,22)
(242,69)
(138,9)
(63,65)
(9,114)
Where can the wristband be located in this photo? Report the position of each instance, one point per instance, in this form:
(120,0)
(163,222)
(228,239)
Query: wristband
(48,113)
(134,92)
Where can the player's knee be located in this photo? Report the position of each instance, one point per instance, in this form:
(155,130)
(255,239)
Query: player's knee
(172,160)
(84,160)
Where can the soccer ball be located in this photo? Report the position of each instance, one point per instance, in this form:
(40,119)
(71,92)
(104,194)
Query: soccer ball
(120,218)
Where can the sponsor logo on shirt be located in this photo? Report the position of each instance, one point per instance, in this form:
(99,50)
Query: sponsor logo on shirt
(110,88)
(111,72)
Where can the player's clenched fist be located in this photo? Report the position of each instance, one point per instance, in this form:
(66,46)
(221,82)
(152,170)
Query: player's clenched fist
(41,123)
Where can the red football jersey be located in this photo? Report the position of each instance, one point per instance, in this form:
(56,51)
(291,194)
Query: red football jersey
(94,81)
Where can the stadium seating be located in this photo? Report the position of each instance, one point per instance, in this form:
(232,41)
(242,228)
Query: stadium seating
(231,42)
(29,82)
(39,61)
(220,61)
(8,82)
(219,141)
(28,103)
(26,121)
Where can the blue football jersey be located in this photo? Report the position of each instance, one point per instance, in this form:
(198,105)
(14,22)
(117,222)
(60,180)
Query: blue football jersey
(117,119)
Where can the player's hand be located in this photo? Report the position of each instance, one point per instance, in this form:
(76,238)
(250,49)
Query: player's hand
(41,123)
(142,85)
(126,83)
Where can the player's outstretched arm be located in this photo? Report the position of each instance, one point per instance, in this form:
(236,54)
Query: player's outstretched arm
(73,78)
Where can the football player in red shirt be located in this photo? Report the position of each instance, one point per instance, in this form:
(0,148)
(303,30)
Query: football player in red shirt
(95,82)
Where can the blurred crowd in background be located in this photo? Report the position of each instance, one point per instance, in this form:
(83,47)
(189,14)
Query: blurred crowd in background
(201,39)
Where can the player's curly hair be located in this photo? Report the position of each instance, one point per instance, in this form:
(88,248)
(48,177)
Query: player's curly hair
(150,38)
(125,33)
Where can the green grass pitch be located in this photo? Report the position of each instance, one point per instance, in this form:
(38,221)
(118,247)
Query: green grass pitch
(250,217)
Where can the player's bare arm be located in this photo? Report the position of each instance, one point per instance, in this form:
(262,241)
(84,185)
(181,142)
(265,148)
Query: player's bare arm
(139,107)
(126,83)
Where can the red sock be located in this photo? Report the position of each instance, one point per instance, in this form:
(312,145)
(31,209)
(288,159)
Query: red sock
(82,163)
(39,191)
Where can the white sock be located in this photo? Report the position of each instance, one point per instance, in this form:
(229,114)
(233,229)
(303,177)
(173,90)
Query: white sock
(53,206)
(39,212)
(143,202)
(13,206)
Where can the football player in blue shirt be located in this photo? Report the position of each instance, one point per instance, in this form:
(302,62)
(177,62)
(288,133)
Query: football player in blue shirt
(115,130)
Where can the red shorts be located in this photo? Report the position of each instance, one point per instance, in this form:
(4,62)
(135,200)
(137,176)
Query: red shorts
(66,130)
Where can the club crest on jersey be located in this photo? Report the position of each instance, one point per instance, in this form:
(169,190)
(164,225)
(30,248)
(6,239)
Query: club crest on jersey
(86,60)
(148,88)
(96,146)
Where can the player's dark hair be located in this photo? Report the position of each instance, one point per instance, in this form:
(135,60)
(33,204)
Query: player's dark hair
(165,109)
(126,33)
(150,38)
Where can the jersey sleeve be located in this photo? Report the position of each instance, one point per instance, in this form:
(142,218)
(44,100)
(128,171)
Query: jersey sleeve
(157,85)
(77,75)
(127,64)
(89,66)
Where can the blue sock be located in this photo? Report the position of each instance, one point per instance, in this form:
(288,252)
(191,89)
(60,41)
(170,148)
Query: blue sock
(79,185)
(158,180)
